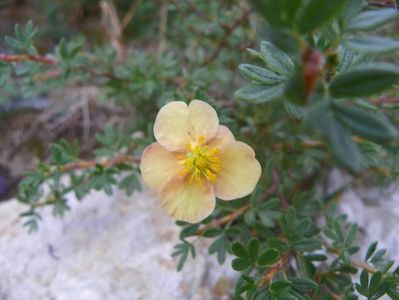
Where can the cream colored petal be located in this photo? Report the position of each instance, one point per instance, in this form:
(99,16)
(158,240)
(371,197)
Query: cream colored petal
(158,166)
(171,128)
(223,137)
(240,172)
(187,202)
(203,120)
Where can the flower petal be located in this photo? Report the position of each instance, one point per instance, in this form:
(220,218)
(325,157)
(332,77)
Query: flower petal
(187,202)
(177,124)
(203,120)
(158,165)
(223,137)
(171,128)
(240,172)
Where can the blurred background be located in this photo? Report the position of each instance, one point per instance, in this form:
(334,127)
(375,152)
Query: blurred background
(172,49)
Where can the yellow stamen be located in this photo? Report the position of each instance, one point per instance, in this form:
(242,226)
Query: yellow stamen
(201,162)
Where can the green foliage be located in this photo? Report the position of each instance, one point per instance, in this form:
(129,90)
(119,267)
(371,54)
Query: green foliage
(322,94)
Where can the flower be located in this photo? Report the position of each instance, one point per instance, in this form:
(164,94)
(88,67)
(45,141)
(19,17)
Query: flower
(196,159)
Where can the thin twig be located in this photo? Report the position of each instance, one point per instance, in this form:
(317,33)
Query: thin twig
(131,11)
(79,165)
(275,268)
(356,263)
(228,31)
(226,219)
(27,57)
(163,23)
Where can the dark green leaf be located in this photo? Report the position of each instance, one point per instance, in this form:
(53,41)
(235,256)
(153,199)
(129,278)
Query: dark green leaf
(308,244)
(371,250)
(364,279)
(318,13)
(183,250)
(239,264)
(276,59)
(220,246)
(364,122)
(344,149)
(277,244)
(258,94)
(260,75)
(212,232)
(278,285)
(372,44)
(273,11)
(303,285)
(364,81)
(372,19)
(253,250)
(189,230)
(295,111)
(269,257)
(374,282)
(239,250)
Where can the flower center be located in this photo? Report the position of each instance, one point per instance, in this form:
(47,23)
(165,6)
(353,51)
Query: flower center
(201,163)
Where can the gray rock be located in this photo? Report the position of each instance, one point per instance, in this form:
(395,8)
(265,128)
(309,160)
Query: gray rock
(374,209)
(105,248)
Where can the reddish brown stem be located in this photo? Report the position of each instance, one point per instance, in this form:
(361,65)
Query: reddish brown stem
(27,57)
(274,269)
(226,219)
(228,31)
(79,165)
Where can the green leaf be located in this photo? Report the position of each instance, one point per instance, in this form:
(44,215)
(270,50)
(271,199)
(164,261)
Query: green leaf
(253,250)
(352,232)
(272,11)
(212,232)
(303,284)
(365,81)
(239,264)
(372,44)
(308,244)
(371,250)
(130,184)
(258,94)
(220,246)
(276,59)
(295,111)
(239,250)
(189,230)
(318,13)
(269,257)
(183,250)
(364,122)
(277,244)
(364,279)
(5,72)
(372,19)
(260,75)
(374,282)
(343,148)
(278,285)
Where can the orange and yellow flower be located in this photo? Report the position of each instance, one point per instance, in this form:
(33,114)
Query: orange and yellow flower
(195,160)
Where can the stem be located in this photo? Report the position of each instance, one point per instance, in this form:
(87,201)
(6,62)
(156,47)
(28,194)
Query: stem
(93,163)
(226,219)
(27,57)
(228,31)
(274,269)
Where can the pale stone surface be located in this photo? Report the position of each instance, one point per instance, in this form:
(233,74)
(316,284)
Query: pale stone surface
(374,210)
(118,248)
(108,248)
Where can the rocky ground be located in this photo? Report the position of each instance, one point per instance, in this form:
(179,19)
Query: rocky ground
(119,248)
(106,248)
